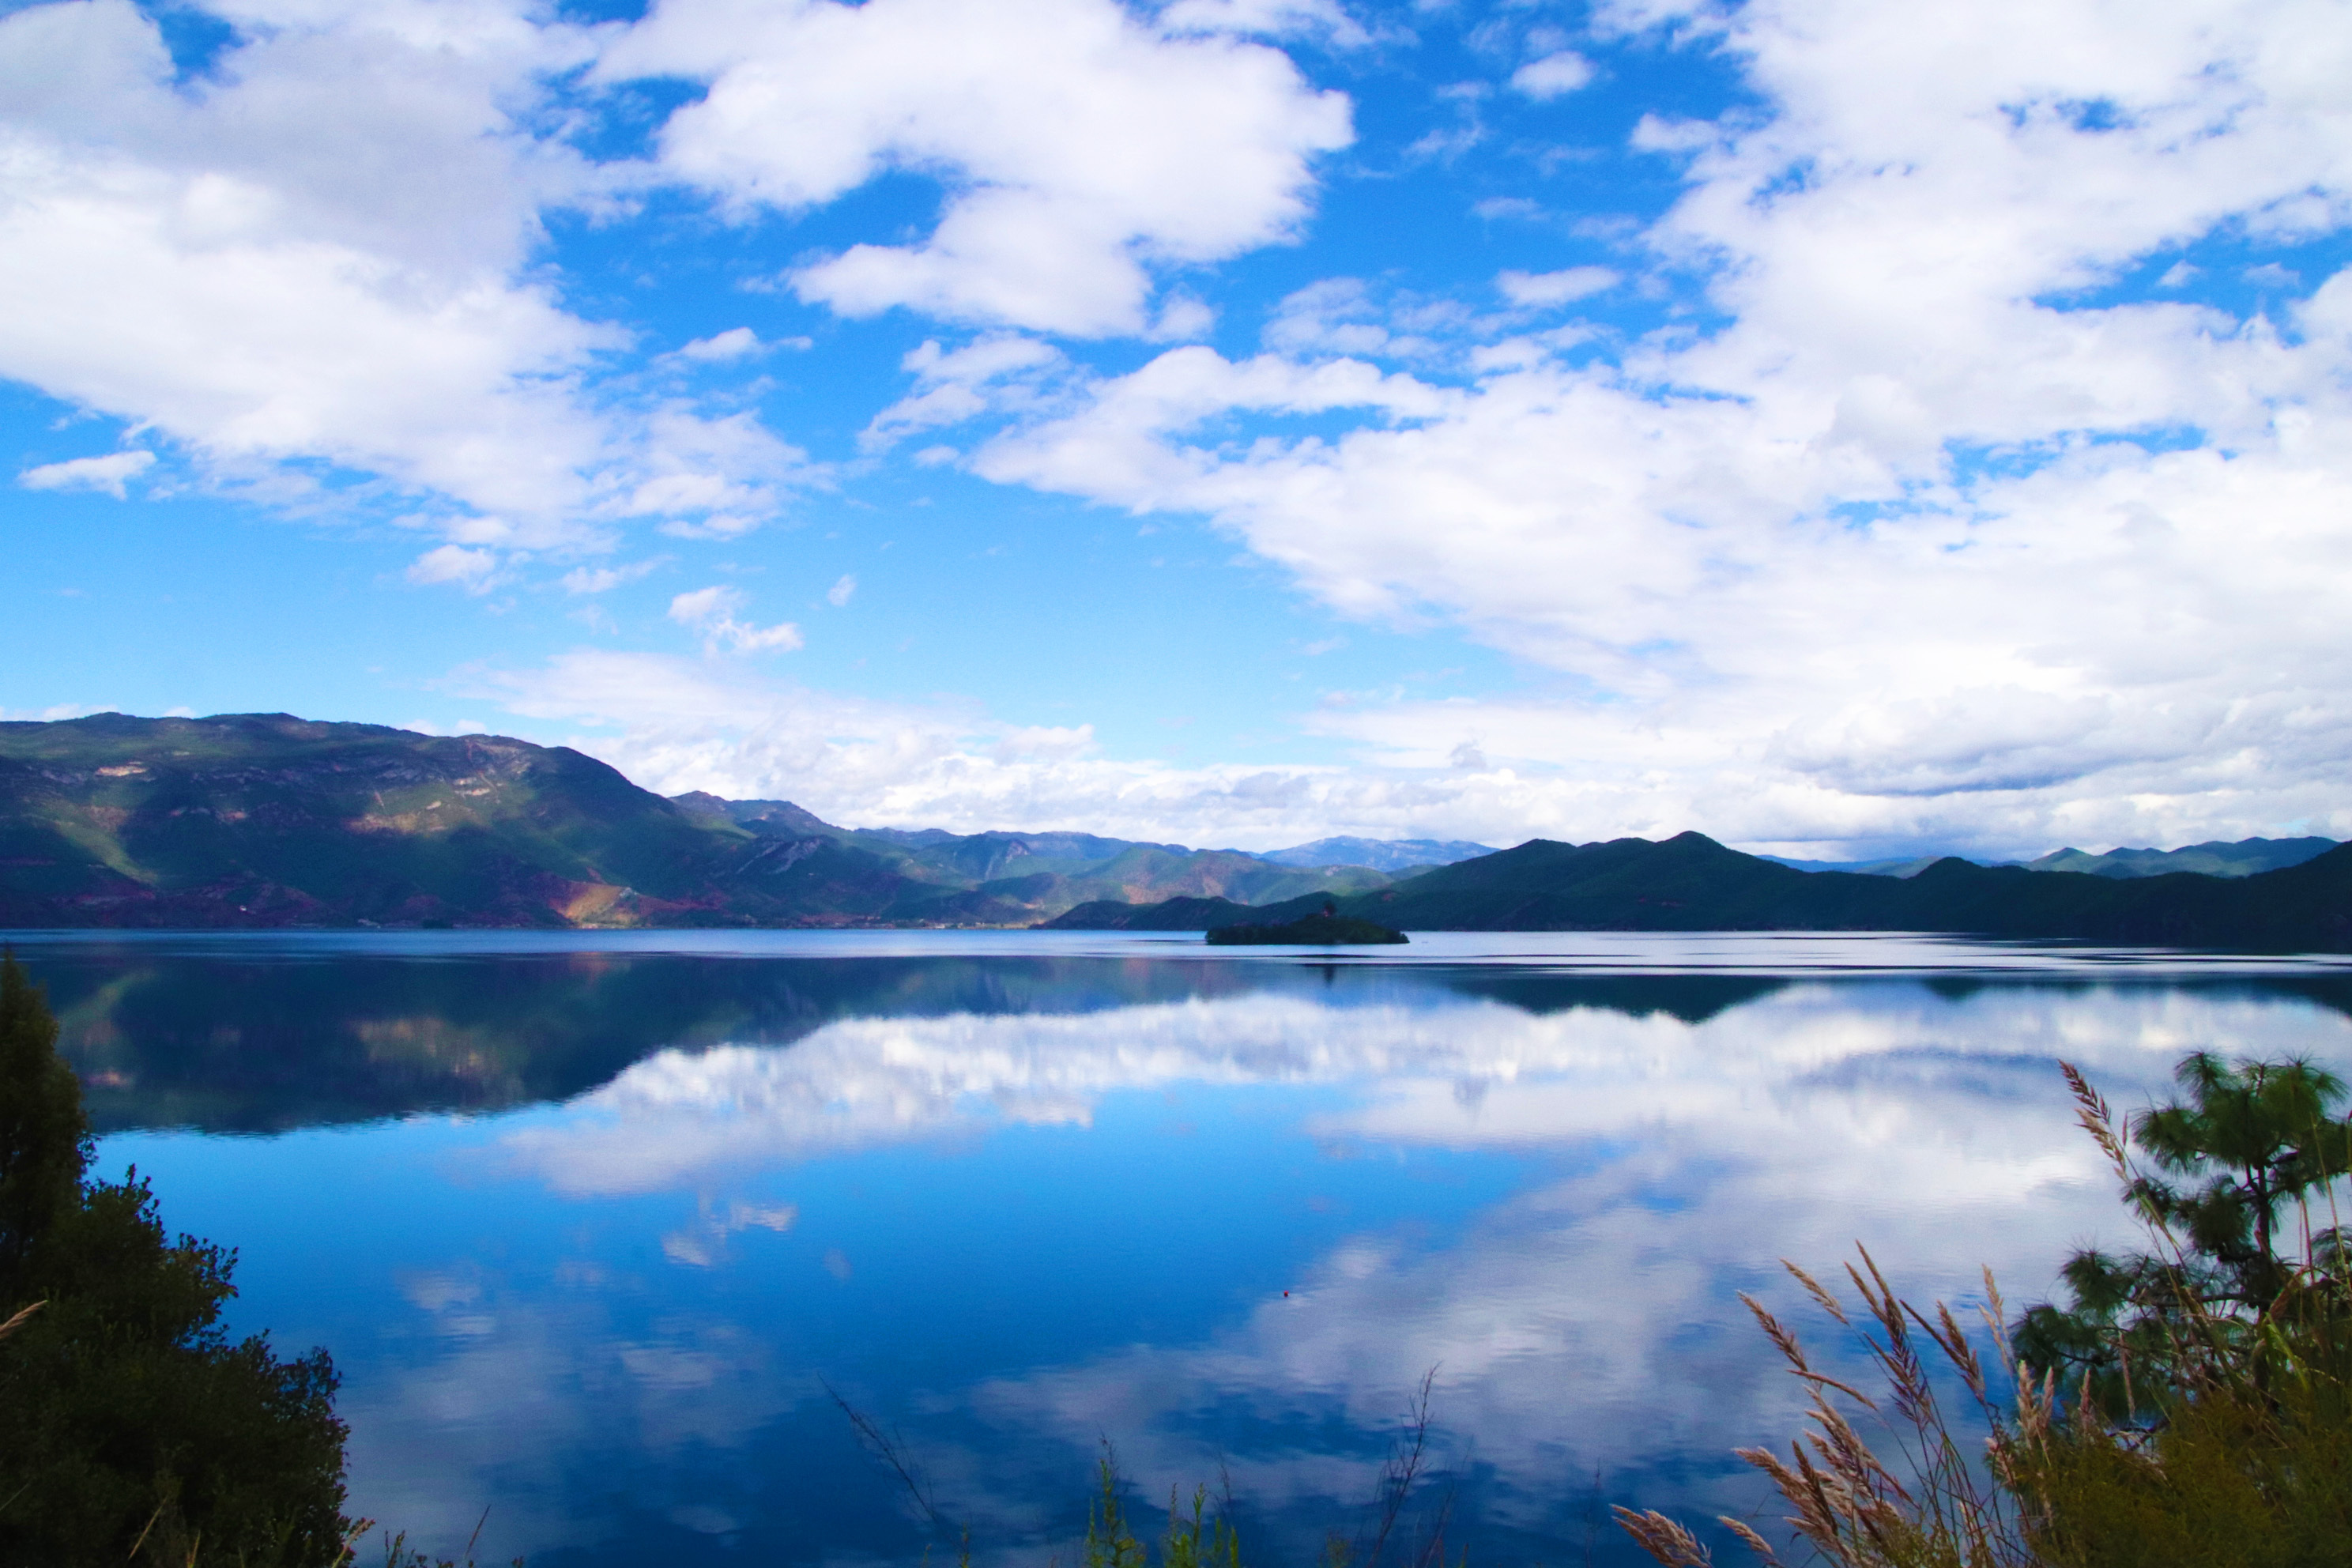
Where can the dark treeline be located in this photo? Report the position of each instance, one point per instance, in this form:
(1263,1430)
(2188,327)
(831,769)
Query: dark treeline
(1691,883)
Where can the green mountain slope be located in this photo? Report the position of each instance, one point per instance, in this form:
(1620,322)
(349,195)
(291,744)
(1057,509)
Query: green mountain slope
(266,819)
(270,820)
(1003,878)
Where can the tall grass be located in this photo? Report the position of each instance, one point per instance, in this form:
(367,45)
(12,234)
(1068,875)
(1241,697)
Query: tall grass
(2230,1448)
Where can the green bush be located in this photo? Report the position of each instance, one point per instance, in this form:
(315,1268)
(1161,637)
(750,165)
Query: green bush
(136,1430)
(2234,1479)
(2237,1271)
(2192,1408)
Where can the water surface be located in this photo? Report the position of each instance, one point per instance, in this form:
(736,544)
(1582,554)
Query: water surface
(598,1225)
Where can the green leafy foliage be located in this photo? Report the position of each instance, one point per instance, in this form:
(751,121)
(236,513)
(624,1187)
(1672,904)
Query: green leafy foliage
(45,1144)
(137,1430)
(2236,1477)
(2236,1165)
(2192,1409)
(1194,1540)
(1323,928)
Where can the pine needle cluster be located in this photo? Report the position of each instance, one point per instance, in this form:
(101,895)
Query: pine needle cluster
(2191,1407)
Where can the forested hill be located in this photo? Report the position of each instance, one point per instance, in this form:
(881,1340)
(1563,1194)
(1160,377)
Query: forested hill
(263,819)
(269,820)
(1691,883)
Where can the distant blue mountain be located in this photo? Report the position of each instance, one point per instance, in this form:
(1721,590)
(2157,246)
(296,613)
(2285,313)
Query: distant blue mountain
(1902,865)
(1390,855)
(2214,858)
(2246,858)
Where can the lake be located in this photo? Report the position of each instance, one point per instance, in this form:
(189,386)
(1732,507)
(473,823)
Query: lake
(609,1232)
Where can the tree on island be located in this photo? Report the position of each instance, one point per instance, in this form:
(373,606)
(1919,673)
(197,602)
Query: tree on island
(135,1430)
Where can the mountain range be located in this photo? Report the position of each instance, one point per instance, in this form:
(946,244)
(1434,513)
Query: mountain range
(1393,855)
(2212,859)
(1691,883)
(270,820)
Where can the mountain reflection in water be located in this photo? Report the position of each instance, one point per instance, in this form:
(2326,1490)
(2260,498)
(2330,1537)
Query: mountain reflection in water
(1014,1200)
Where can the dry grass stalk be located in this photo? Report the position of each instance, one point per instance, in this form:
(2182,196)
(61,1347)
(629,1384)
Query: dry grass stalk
(1664,1539)
(18,1321)
(2244,1446)
(1946,1510)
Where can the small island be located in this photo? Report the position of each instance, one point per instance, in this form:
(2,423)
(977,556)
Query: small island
(1326,928)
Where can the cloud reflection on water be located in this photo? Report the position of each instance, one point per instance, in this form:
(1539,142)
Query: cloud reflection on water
(1585,1323)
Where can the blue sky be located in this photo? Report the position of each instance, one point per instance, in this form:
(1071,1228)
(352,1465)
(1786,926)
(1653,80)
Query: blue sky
(1233,421)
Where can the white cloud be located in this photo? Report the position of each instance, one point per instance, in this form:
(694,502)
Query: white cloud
(1494,207)
(674,725)
(838,594)
(1866,564)
(1264,18)
(1081,148)
(1348,316)
(1553,75)
(316,252)
(109,473)
(1537,289)
(604,579)
(1002,371)
(718,476)
(712,612)
(736,342)
(476,570)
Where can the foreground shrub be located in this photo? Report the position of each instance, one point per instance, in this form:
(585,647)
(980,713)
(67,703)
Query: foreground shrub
(2234,1479)
(135,1430)
(2191,1408)
(2210,1422)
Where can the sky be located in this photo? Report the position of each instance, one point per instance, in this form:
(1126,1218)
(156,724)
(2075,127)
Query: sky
(1844,429)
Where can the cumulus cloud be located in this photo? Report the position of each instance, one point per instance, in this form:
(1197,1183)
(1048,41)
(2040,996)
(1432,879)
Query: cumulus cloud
(675,725)
(994,372)
(1341,316)
(1537,289)
(733,344)
(1081,147)
(1891,555)
(109,473)
(713,611)
(604,579)
(476,570)
(1264,18)
(315,252)
(1553,75)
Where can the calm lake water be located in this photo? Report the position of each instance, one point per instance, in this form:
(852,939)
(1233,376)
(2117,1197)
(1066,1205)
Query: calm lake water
(597,1226)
